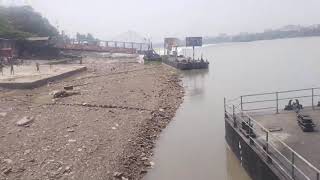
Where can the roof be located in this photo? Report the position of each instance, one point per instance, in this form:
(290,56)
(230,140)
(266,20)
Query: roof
(38,38)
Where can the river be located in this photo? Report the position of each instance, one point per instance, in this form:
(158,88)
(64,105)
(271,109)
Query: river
(193,145)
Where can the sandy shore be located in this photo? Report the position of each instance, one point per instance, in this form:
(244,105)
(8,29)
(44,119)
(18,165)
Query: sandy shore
(105,131)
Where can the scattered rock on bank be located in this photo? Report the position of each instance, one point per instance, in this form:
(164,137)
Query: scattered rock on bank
(63,93)
(25,121)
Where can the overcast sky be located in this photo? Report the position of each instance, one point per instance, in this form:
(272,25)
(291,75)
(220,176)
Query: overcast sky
(160,18)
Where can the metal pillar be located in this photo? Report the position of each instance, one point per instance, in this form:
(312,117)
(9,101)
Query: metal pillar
(312,98)
(234,117)
(267,141)
(224,105)
(193,51)
(132,47)
(292,165)
(277,102)
(241,103)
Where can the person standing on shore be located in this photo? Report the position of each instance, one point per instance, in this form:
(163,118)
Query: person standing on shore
(11,68)
(38,67)
(1,68)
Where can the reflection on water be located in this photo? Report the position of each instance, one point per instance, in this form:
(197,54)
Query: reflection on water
(234,169)
(193,146)
(195,81)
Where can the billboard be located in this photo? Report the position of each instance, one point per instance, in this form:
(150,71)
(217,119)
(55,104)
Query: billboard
(171,42)
(193,41)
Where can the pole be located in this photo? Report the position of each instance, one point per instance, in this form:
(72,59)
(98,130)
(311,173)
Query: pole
(277,98)
(233,116)
(312,92)
(224,104)
(132,47)
(292,165)
(193,52)
(267,140)
(241,103)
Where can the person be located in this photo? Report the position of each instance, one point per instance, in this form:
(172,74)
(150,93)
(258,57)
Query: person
(1,68)
(11,68)
(38,67)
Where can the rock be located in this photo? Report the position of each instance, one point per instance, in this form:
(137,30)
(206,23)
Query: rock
(114,128)
(124,178)
(70,130)
(25,121)
(117,174)
(28,151)
(67,169)
(68,87)
(6,171)
(143,171)
(63,93)
(72,140)
(161,110)
(8,161)
(3,114)
(152,163)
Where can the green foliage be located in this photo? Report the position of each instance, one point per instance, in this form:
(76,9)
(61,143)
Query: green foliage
(22,22)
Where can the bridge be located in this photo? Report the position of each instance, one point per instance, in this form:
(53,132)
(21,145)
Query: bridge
(106,46)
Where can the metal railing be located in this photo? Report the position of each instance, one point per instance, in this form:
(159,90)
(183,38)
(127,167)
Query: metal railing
(275,99)
(276,152)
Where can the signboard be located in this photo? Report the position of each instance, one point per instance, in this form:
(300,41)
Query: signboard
(193,41)
(171,42)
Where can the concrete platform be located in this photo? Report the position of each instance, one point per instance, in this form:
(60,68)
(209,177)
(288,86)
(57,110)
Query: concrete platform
(26,76)
(307,144)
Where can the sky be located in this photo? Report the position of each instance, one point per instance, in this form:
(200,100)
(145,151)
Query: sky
(169,18)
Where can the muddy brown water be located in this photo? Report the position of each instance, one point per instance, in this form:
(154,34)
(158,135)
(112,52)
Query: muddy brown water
(193,145)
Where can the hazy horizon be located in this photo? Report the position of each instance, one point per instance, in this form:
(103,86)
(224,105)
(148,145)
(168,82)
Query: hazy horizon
(158,19)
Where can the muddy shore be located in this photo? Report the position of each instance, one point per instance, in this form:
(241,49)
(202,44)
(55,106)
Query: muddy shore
(106,130)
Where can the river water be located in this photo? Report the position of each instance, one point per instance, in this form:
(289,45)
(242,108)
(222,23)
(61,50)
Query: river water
(193,145)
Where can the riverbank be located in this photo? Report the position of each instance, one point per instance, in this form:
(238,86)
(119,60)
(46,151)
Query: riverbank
(104,130)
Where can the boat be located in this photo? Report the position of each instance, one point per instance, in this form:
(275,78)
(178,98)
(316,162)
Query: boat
(183,63)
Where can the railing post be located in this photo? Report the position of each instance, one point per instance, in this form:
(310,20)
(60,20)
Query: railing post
(224,105)
(234,117)
(267,140)
(250,130)
(292,165)
(277,102)
(318,176)
(241,105)
(312,100)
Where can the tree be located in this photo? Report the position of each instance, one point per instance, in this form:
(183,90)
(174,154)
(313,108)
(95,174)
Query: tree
(21,22)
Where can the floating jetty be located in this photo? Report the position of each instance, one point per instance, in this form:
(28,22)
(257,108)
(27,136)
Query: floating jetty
(266,134)
(172,58)
(183,63)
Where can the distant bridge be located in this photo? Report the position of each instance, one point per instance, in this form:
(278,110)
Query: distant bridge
(106,46)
